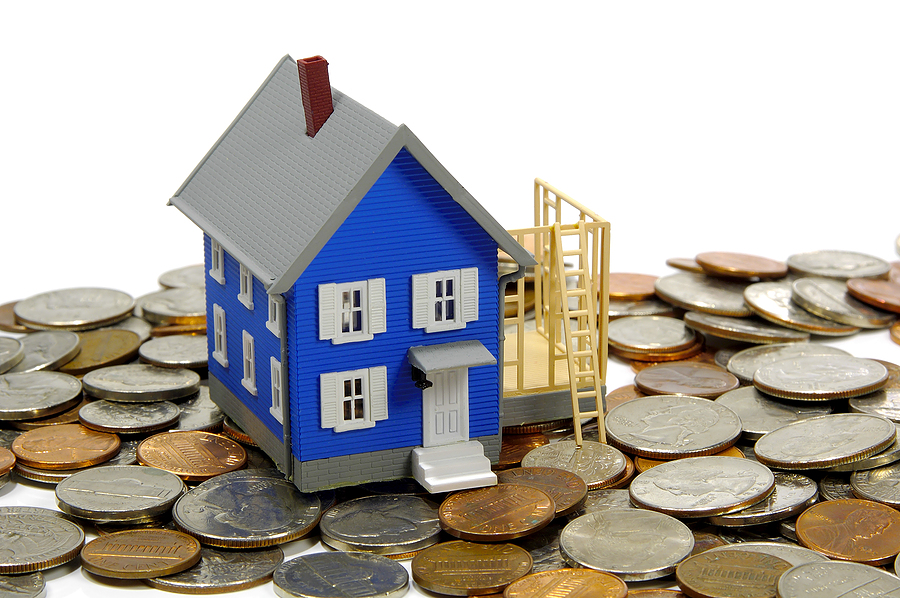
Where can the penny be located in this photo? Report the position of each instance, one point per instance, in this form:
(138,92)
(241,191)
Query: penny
(734,572)
(330,574)
(681,355)
(139,326)
(838,264)
(693,379)
(836,580)
(745,363)
(36,539)
(795,555)
(793,493)
(750,330)
(462,568)
(515,446)
(703,293)
(125,456)
(622,395)
(192,456)
(180,329)
(199,413)
(895,333)
(47,350)
(8,319)
(69,416)
(11,352)
(496,513)
(620,308)
(31,585)
(74,309)
(642,464)
(599,465)
(382,524)
(101,348)
(140,554)
(740,265)
(627,286)
(564,583)
(761,413)
(829,298)
(851,530)
(67,446)
(650,334)
(7,460)
(835,486)
(820,377)
(220,570)
(704,541)
(704,356)
(177,351)
(772,301)
(187,276)
(140,383)
(185,305)
(129,418)
(568,490)
(233,431)
(883,294)
(685,263)
(879,485)
(30,395)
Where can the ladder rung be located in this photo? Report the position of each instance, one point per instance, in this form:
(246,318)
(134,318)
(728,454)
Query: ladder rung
(588,414)
(585,374)
(582,353)
(568,252)
(576,292)
(580,333)
(576,272)
(578,312)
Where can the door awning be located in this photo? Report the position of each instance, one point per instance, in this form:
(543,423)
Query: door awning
(447,356)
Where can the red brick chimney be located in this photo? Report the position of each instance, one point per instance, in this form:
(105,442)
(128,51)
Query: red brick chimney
(315,88)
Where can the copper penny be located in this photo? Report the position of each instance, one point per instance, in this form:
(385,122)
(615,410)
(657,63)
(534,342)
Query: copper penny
(631,287)
(140,554)
(66,417)
(496,513)
(100,348)
(740,265)
(895,333)
(684,263)
(656,593)
(192,456)
(856,530)
(568,490)
(642,464)
(233,431)
(705,356)
(883,294)
(175,329)
(8,319)
(693,379)
(7,460)
(67,446)
(681,355)
(516,446)
(893,275)
(730,573)
(563,583)
(461,568)
(622,395)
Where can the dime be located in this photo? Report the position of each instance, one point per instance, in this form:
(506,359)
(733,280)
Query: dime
(599,465)
(568,490)
(793,493)
(839,438)
(879,485)
(828,298)
(750,330)
(496,513)
(647,307)
(836,580)
(862,531)
(192,456)
(795,555)
(129,418)
(187,276)
(820,377)
(761,413)
(382,524)
(11,352)
(247,509)
(838,264)
(772,301)
(693,379)
(461,568)
(220,570)
(67,446)
(200,413)
(633,544)
(835,486)
(8,319)
(31,585)
(140,383)
(74,309)
(567,582)
(642,464)
(684,263)
(627,286)
(730,573)
(47,350)
(883,294)
(330,574)
(177,351)
(702,486)
(186,305)
(650,334)
(740,265)
(745,363)
(35,540)
(30,395)
(119,493)
(101,348)
(703,293)
(140,554)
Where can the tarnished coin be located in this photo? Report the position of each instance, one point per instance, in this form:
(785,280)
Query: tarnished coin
(795,555)
(772,301)
(29,395)
(703,293)
(820,377)
(31,585)
(8,319)
(220,570)
(68,446)
(726,573)
(793,493)
(740,265)
(879,485)
(836,580)
(825,441)
(102,348)
(47,350)
(650,334)
(119,493)
(140,554)
(702,486)
(140,383)
(883,294)
(568,490)
(761,413)
(496,513)
(744,364)
(599,465)
(628,286)
(7,437)
(187,276)
(382,524)
(35,540)
(462,568)
(74,309)
(185,305)
(642,464)
(828,298)
(620,308)
(835,486)
(685,264)
(129,418)
(686,378)
(192,456)
(633,544)
(566,583)
(330,574)
(670,426)
(177,351)
(838,264)
(11,352)
(862,531)
(750,330)
(200,413)
(247,509)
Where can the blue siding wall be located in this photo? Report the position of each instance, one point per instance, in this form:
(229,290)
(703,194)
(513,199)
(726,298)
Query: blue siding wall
(406,224)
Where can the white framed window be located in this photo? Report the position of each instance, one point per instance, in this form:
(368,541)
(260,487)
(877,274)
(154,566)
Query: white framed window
(353,400)
(245,295)
(276,315)
(352,311)
(216,261)
(249,379)
(277,390)
(445,300)
(220,340)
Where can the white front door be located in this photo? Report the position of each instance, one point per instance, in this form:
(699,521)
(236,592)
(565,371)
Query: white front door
(445,407)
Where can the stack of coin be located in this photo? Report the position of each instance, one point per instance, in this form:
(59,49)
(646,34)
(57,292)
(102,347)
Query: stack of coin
(74,309)
(7,461)
(652,338)
(140,383)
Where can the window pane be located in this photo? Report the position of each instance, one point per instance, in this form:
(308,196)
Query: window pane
(345,321)
(348,389)
(357,321)
(449,287)
(358,382)
(359,409)
(357,298)
(438,311)
(451,315)
(438,288)
(348,410)
(345,300)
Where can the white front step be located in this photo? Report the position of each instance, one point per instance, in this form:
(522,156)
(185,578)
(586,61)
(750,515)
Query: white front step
(450,467)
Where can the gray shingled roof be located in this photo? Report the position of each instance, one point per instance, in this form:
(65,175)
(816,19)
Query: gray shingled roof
(272,196)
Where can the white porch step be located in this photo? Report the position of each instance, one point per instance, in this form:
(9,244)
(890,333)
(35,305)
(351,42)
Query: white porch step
(451,467)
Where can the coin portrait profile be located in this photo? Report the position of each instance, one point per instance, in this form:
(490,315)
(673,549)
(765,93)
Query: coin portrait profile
(843,536)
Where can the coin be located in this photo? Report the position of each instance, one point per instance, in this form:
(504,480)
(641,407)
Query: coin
(220,570)
(140,383)
(66,446)
(750,330)
(47,350)
(178,351)
(836,580)
(599,465)
(11,352)
(69,416)
(233,431)
(568,490)
(330,574)
(7,460)
(851,530)
(101,348)
(462,568)
(30,395)
(693,379)
(602,500)
(515,446)
(31,585)
(820,377)
(7,437)
(199,413)
(129,418)
(35,540)
(192,456)
(563,583)
(382,524)
(885,457)
(185,305)
(642,464)
(883,294)
(8,319)
(187,276)
(793,493)
(650,334)
(884,402)
(740,265)
(895,333)
(703,293)
(682,355)
(835,486)
(829,298)
(74,309)
(496,513)
(627,286)
(879,485)
(139,326)
(795,555)
(838,264)
(543,546)
(140,554)
(619,308)
(761,413)
(684,263)
(772,301)
(730,573)
(744,364)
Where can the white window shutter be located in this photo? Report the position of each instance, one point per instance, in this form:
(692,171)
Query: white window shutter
(377,306)
(378,392)
(469,286)
(327,311)
(328,399)
(420,301)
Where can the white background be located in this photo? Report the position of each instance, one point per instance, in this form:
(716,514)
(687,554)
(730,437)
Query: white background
(760,127)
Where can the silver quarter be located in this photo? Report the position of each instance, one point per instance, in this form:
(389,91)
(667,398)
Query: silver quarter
(836,579)
(880,485)
(329,574)
(47,350)
(31,585)
(703,293)
(820,377)
(139,326)
(648,307)
(74,309)
(793,494)
(761,413)
(381,524)
(772,301)
(222,570)
(188,276)
(838,264)
(140,383)
(745,363)
(884,402)
(11,352)
(176,351)
(890,455)
(650,334)
(173,306)
(751,330)
(835,486)
(128,418)
(633,544)
(34,541)
(828,298)
(597,464)
(795,555)
(200,413)
(29,395)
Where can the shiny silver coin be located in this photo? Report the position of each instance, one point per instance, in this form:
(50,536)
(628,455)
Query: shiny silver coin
(761,413)
(650,334)
(820,377)
(74,309)
(173,306)
(34,541)
(749,330)
(745,363)
(128,418)
(176,351)
(836,579)
(30,395)
(884,402)
(772,301)
(30,585)
(47,350)
(880,484)
(838,264)
(119,493)
(633,544)
(835,486)
(139,326)
(11,352)
(199,413)
(382,524)
(648,307)
(890,455)
(140,383)
(543,546)
(793,494)
(825,441)
(795,555)
(329,574)
(702,486)
(702,293)
(828,298)
(604,500)
(672,426)
(222,570)
(597,464)
(246,509)
(188,276)
(788,529)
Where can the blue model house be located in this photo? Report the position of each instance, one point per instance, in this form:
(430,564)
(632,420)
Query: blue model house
(353,297)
